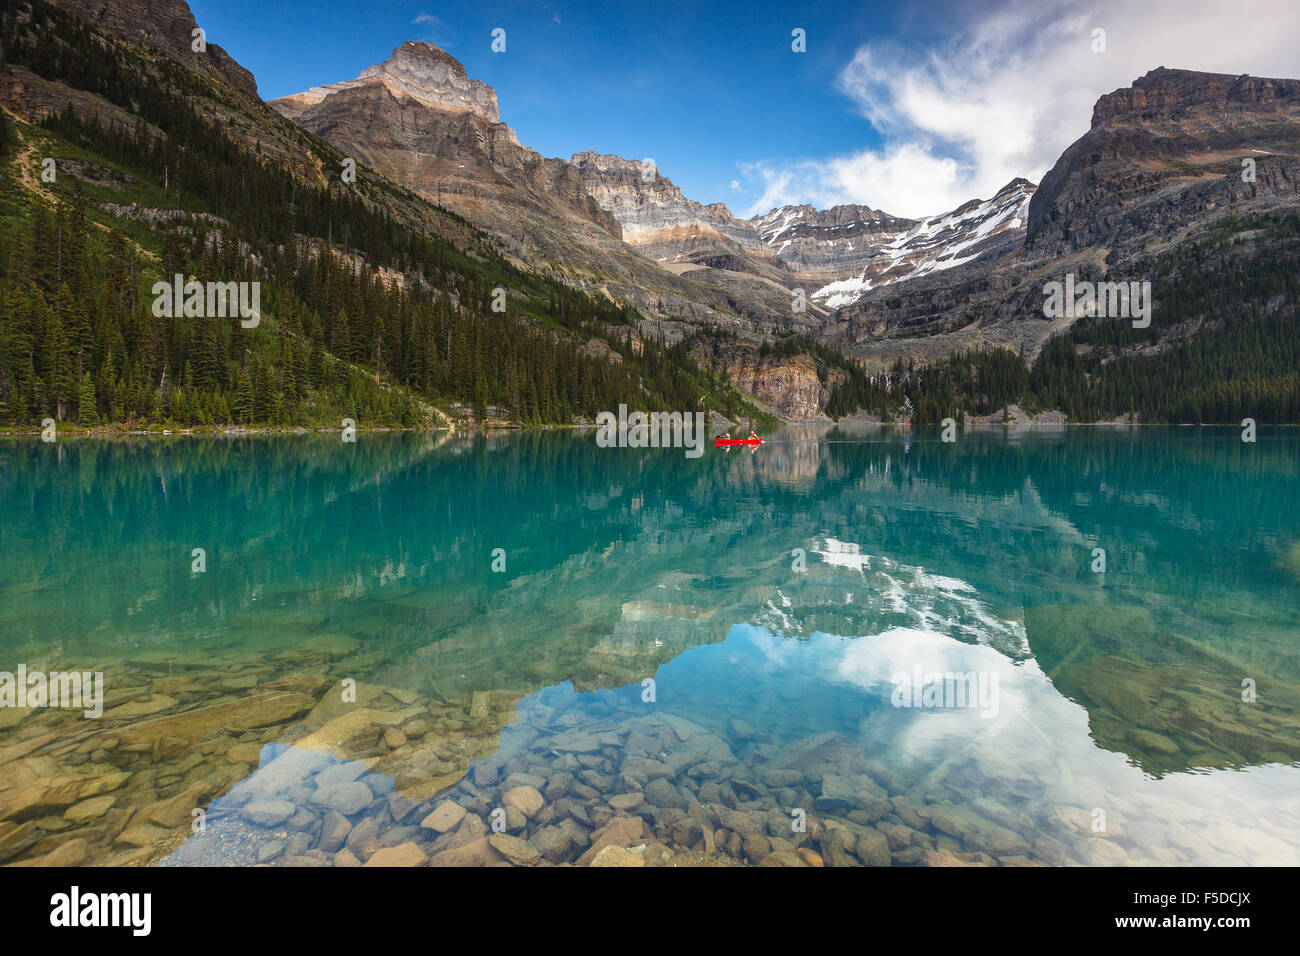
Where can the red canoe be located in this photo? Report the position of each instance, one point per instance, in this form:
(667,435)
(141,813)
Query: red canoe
(728,442)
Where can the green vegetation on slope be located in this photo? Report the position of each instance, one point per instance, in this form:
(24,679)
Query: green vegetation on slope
(363,314)
(1223,345)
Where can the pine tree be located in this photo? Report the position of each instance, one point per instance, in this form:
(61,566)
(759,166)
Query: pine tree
(87,414)
(341,342)
(244,403)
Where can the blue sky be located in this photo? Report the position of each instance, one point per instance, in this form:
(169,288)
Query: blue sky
(676,82)
(909,107)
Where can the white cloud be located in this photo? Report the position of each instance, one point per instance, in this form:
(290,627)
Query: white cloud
(735,184)
(1006,93)
(435,28)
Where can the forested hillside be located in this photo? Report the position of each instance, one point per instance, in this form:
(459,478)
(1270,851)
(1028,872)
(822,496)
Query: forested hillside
(1223,345)
(121,167)
(364,315)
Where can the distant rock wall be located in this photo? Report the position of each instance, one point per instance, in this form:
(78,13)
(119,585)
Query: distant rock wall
(1164,155)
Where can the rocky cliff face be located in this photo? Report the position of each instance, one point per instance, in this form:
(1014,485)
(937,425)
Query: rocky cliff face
(875,249)
(416,71)
(656,217)
(836,255)
(826,245)
(164,25)
(790,385)
(1167,154)
(704,244)
(419,120)
(154,35)
(972,306)
(1161,165)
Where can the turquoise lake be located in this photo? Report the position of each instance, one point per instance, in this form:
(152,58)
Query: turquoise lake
(526,649)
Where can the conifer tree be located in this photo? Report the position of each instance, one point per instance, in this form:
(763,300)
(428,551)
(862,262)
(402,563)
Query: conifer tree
(244,403)
(87,414)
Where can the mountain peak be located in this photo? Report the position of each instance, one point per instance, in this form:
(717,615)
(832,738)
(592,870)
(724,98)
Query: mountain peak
(415,55)
(1163,93)
(1018,184)
(608,162)
(416,71)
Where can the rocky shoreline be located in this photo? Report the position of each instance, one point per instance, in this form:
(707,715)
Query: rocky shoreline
(284,771)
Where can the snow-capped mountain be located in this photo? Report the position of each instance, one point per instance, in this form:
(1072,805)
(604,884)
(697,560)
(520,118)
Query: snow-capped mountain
(870,249)
(418,118)
(823,245)
(841,253)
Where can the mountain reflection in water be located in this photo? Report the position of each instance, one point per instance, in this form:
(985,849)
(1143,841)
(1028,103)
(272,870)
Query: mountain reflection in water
(679,659)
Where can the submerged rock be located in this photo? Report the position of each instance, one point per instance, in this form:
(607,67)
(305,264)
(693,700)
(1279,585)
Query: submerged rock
(446,816)
(346,798)
(517,851)
(268,813)
(618,856)
(406,854)
(525,799)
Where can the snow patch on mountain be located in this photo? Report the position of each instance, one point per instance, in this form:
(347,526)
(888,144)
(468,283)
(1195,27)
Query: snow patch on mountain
(975,230)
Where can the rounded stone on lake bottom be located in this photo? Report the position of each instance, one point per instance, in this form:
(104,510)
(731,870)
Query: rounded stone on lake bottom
(415,728)
(872,848)
(526,780)
(782,778)
(687,833)
(402,834)
(837,846)
(756,847)
(809,856)
(553,843)
(298,844)
(618,856)
(627,801)
(268,813)
(334,830)
(1100,852)
(740,730)
(365,831)
(787,858)
(346,857)
(338,773)
(88,810)
(346,798)
(407,854)
(661,793)
(517,851)
(524,799)
(302,820)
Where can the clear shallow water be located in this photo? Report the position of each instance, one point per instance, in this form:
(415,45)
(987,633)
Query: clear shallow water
(1115,734)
